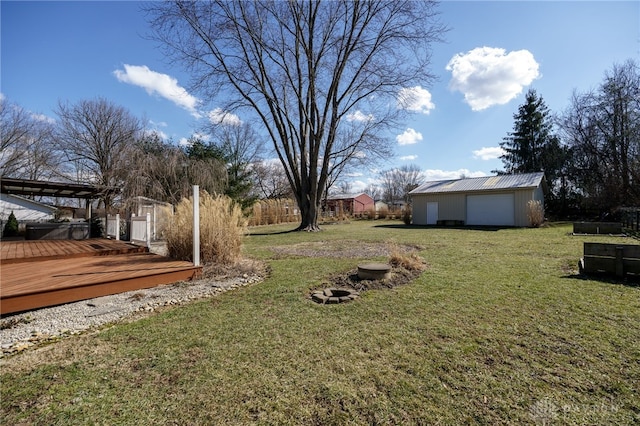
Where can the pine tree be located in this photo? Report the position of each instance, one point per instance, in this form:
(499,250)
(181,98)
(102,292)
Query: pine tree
(11,227)
(525,147)
(533,147)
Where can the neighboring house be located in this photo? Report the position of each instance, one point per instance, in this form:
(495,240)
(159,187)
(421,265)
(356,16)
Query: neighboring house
(349,204)
(24,209)
(487,201)
(381,206)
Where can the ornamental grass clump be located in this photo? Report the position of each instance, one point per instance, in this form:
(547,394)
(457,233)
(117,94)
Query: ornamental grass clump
(535,213)
(222,227)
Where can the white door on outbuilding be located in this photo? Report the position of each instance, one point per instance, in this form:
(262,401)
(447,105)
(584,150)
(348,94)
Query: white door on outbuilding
(491,209)
(432,213)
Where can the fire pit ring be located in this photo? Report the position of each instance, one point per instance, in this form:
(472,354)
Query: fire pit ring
(334,295)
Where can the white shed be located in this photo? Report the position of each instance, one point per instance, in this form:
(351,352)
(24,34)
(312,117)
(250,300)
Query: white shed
(486,201)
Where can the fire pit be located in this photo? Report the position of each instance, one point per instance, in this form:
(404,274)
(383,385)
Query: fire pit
(334,295)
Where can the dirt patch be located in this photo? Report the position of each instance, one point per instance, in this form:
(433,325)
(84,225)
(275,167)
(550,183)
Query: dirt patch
(350,279)
(405,268)
(345,249)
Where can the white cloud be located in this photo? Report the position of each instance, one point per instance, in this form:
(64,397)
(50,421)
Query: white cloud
(218,116)
(488,153)
(436,174)
(358,186)
(158,124)
(161,84)
(184,142)
(359,116)
(408,157)
(204,137)
(43,118)
(160,134)
(415,99)
(409,137)
(490,76)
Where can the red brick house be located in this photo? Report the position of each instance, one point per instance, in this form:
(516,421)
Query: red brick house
(348,204)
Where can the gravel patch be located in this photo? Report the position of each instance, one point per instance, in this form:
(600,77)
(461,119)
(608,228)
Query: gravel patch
(21,331)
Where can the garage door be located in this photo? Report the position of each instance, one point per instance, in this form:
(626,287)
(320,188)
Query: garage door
(495,209)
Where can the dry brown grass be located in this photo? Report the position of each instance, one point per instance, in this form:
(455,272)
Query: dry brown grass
(535,213)
(271,212)
(222,227)
(403,259)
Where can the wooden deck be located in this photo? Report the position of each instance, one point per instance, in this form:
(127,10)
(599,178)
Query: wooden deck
(35,274)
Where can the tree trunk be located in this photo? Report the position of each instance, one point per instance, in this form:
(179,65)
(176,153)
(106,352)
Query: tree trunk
(309,204)
(309,218)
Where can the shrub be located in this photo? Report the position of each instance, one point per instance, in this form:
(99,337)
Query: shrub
(406,216)
(222,227)
(535,213)
(383,212)
(11,227)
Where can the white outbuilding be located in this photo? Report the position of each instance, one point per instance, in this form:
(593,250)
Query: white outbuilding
(485,201)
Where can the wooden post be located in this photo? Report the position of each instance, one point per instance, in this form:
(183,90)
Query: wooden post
(196,225)
(619,262)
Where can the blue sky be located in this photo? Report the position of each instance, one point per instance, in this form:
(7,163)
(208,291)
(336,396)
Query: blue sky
(67,51)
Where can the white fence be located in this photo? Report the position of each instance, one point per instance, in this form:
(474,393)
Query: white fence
(139,228)
(113,226)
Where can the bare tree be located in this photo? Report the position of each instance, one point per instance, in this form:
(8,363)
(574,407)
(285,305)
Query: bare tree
(270,181)
(602,130)
(96,137)
(241,147)
(311,72)
(374,191)
(397,183)
(165,172)
(26,149)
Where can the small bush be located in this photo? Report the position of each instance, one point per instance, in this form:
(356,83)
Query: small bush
(383,212)
(222,227)
(535,213)
(11,227)
(406,216)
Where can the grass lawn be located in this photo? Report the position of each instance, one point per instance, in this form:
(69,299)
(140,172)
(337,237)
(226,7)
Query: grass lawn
(498,330)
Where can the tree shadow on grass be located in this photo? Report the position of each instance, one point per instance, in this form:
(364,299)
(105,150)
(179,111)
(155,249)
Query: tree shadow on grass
(464,228)
(262,234)
(627,281)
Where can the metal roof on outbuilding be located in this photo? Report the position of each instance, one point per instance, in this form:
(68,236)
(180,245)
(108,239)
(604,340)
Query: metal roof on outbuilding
(486,183)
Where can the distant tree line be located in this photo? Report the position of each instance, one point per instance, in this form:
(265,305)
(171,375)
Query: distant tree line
(590,153)
(98,142)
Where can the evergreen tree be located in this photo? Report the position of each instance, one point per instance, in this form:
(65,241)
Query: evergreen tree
(11,227)
(525,147)
(533,147)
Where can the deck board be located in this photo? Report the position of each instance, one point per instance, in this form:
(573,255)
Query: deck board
(28,250)
(50,273)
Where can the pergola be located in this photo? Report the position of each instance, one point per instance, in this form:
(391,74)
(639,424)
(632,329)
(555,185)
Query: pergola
(51,189)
